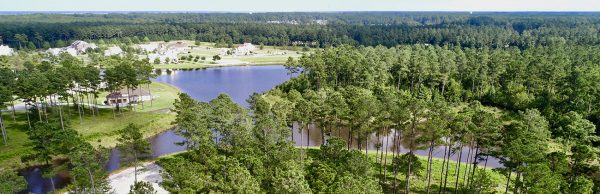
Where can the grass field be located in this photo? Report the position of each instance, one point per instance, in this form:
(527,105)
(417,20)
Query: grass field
(269,55)
(100,129)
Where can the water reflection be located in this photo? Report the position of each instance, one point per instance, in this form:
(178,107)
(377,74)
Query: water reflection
(313,137)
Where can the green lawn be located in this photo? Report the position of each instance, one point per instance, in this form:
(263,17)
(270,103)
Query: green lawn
(17,139)
(268,56)
(99,129)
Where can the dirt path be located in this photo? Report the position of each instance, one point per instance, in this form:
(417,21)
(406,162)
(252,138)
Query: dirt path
(149,172)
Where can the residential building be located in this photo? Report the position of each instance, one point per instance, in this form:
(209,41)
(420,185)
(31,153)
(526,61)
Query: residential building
(6,51)
(82,46)
(113,50)
(244,49)
(127,96)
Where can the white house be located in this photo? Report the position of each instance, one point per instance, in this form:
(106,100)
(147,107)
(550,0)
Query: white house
(82,46)
(125,96)
(113,50)
(6,51)
(76,48)
(164,51)
(151,47)
(71,51)
(56,51)
(244,49)
(177,47)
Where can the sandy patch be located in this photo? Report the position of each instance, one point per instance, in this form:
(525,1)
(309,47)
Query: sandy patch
(150,172)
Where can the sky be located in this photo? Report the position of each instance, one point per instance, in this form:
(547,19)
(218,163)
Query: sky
(299,5)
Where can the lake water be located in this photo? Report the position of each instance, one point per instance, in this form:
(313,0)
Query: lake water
(239,82)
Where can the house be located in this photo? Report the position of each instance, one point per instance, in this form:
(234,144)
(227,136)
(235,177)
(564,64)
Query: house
(168,51)
(82,46)
(71,51)
(6,51)
(113,50)
(151,47)
(164,47)
(127,96)
(177,47)
(56,51)
(76,48)
(244,49)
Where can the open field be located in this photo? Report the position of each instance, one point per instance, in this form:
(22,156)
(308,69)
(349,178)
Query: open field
(269,55)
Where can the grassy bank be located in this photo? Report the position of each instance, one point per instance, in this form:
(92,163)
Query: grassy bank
(98,129)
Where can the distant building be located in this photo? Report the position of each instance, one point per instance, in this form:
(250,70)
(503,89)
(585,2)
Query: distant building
(125,97)
(76,48)
(71,51)
(113,50)
(81,46)
(6,51)
(321,22)
(152,47)
(165,52)
(244,49)
(177,47)
(56,51)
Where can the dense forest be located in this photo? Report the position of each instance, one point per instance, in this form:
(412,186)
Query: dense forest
(494,30)
(533,109)
(522,88)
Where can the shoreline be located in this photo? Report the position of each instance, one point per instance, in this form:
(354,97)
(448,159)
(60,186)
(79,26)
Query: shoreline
(176,67)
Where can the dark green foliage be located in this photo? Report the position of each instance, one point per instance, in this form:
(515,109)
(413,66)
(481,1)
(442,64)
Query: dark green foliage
(142,187)
(369,29)
(11,182)
(339,170)
(132,143)
(133,146)
(409,158)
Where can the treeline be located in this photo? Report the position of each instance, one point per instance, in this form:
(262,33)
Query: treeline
(368,29)
(555,79)
(47,87)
